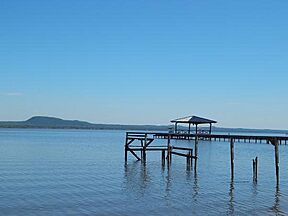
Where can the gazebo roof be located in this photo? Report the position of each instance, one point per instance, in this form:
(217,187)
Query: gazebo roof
(193,120)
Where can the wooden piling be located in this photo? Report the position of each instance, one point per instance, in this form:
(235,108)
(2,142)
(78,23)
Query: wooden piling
(196,153)
(141,152)
(168,157)
(232,158)
(126,154)
(126,149)
(191,161)
(144,148)
(163,156)
(276,160)
(170,154)
(188,158)
(255,168)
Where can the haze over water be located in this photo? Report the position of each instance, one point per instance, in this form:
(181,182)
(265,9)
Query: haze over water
(78,172)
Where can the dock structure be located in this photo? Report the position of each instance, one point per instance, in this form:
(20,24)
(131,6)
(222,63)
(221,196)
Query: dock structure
(146,138)
(142,142)
(222,137)
(192,120)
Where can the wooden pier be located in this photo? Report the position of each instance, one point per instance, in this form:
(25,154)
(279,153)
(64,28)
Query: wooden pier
(222,137)
(142,142)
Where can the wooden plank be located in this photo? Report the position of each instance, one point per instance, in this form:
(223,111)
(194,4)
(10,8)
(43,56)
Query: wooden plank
(148,149)
(149,141)
(130,141)
(181,148)
(180,154)
(135,155)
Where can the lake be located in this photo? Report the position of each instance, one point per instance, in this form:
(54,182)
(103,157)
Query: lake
(82,172)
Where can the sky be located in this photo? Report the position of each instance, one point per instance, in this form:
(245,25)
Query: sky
(145,61)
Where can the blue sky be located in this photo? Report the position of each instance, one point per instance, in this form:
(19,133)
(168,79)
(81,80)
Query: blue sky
(145,61)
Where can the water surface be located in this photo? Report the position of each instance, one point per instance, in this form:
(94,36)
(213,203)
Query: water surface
(78,172)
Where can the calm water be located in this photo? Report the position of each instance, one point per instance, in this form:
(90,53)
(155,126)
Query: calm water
(73,172)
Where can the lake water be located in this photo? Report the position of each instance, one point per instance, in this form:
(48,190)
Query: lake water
(78,172)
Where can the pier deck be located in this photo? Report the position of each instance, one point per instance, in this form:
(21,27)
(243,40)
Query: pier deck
(220,137)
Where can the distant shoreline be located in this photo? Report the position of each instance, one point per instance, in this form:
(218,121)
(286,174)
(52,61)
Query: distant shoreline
(44,122)
(145,128)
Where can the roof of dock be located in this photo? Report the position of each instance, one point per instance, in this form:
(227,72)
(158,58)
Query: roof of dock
(193,120)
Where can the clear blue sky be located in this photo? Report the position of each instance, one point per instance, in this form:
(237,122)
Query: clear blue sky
(145,61)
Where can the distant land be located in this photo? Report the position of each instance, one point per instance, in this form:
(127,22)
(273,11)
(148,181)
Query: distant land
(58,123)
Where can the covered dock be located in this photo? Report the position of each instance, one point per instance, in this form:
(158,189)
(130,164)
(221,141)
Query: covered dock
(192,120)
(144,143)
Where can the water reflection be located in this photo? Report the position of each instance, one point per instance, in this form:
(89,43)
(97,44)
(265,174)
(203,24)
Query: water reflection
(168,182)
(276,207)
(195,187)
(142,181)
(136,176)
(231,199)
(138,179)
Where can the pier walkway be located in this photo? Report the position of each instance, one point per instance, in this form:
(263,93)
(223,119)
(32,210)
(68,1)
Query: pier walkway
(221,137)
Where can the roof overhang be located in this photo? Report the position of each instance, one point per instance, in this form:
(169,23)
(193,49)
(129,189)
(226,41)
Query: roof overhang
(193,120)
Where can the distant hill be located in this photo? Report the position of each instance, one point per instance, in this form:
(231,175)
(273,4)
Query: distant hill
(43,121)
(52,122)
(57,123)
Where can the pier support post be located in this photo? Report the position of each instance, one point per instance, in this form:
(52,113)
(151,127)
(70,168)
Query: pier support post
(163,157)
(144,148)
(232,158)
(126,148)
(274,142)
(196,152)
(141,152)
(169,140)
(276,160)
(169,150)
(255,168)
(191,161)
(170,154)
(126,154)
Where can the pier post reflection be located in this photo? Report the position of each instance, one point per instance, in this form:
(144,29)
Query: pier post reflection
(276,207)
(168,181)
(136,176)
(231,198)
(195,187)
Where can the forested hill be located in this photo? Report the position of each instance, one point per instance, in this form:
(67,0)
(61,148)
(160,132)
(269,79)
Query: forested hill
(52,122)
